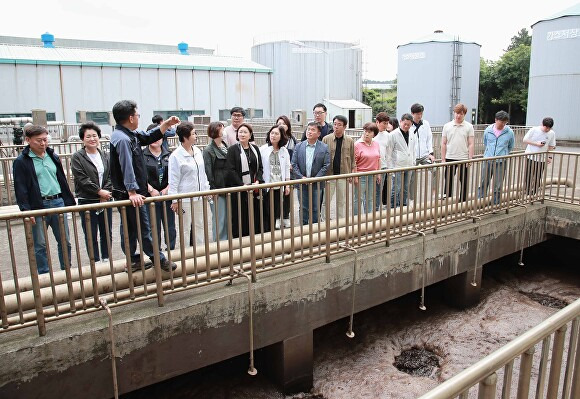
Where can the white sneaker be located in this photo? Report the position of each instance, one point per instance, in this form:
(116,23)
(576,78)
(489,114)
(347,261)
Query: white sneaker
(411,204)
(105,260)
(286,222)
(277,224)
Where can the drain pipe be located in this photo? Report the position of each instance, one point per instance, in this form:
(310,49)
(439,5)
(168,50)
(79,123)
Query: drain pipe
(521,262)
(347,247)
(422,304)
(252,370)
(474,281)
(103,302)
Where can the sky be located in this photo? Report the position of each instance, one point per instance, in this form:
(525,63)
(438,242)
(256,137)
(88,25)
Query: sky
(232,27)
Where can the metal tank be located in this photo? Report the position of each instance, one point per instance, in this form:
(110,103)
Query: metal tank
(308,72)
(554,88)
(438,71)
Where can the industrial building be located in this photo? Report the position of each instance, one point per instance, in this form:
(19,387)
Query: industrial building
(554,88)
(438,71)
(91,76)
(310,72)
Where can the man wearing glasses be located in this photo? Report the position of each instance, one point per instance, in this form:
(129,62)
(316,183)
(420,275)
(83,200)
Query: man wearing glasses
(129,177)
(319,111)
(231,132)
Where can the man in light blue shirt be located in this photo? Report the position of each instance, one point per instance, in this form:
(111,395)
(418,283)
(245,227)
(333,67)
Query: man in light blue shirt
(311,158)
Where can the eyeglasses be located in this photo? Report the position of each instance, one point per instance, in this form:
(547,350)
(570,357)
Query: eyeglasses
(318,113)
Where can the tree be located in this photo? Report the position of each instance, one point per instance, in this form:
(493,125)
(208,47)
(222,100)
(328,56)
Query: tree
(523,37)
(504,84)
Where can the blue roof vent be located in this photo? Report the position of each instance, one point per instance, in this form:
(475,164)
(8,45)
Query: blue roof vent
(183,47)
(48,40)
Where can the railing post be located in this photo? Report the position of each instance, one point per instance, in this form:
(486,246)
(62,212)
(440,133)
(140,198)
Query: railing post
(156,257)
(34,276)
(327,216)
(575,393)
(487,387)
(525,373)
(556,365)
(570,359)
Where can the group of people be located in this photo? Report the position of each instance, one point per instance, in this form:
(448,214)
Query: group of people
(139,165)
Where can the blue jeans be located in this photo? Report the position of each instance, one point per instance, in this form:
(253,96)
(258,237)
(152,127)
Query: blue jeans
(364,189)
(133,237)
(219,220)
(379,193)
(489,169)
(401,184)
(305,205)
(160,218)
(97,228)
(40,240)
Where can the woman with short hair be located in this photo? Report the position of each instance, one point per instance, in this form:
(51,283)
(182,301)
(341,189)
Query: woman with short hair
(187,175)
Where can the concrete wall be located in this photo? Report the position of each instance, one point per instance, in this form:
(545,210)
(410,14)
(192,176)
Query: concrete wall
(207,325)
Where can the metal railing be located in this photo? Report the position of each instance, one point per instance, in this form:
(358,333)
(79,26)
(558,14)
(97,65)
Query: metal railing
(65,150)
(486,372)
(29,298)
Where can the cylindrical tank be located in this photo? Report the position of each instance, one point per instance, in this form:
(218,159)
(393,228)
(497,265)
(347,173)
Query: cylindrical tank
(307,72)
(554,88)
(438,71)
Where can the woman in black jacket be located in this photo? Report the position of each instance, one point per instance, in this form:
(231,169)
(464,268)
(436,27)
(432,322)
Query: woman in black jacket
(214,161)
(92,179)
(244,167)
(157,166)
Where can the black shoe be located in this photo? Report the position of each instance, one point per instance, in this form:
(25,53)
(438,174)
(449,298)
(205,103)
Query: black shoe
(167,266)
(136,266)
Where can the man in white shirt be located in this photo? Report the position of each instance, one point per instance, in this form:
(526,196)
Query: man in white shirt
(231,132)
(382,120)
(424,148)
(457,144)
(540,139)
(401,151)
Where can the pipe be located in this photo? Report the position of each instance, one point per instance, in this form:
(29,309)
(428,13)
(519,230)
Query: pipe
(252,370)
(103,302)
(347,247)
(474,281)
(422,304)
(521,263)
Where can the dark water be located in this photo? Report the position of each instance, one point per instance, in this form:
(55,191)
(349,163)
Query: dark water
(434,344)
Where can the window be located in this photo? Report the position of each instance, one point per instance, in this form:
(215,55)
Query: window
(50,116)
(182,114)
(100,118)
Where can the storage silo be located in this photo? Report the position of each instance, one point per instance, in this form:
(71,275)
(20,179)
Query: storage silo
(438,71)
(308,72)
(554,88)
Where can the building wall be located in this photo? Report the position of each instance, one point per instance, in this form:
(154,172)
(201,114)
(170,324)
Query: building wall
(68,89)
(424,76)
(299,78)
(554,88)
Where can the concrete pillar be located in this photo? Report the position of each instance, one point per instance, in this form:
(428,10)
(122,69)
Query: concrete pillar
(460,291)
(290,363)
(39,117)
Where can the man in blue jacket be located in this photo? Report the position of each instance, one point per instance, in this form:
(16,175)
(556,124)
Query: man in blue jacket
(40,183)
(129,178)
(311,158)
(498,140)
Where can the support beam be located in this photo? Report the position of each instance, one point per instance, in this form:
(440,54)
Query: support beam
(290,363)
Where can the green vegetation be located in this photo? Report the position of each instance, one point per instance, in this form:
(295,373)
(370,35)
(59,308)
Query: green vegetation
(381,100)
(503,84)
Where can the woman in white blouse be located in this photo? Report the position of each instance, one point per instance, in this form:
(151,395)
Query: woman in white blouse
(187,175)
(276,161)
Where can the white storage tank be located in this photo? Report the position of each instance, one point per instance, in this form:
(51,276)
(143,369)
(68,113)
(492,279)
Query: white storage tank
(438,71)
(308,72)
(554,88)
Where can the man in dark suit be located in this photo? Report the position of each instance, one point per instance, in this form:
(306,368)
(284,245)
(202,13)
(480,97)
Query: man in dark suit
(311,158)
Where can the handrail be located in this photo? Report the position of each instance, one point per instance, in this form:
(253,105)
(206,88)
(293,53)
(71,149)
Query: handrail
(480,370)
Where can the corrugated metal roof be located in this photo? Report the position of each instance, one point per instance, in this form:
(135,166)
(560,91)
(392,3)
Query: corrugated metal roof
(348,104)
(438,37)
(13,54)
(568,12)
